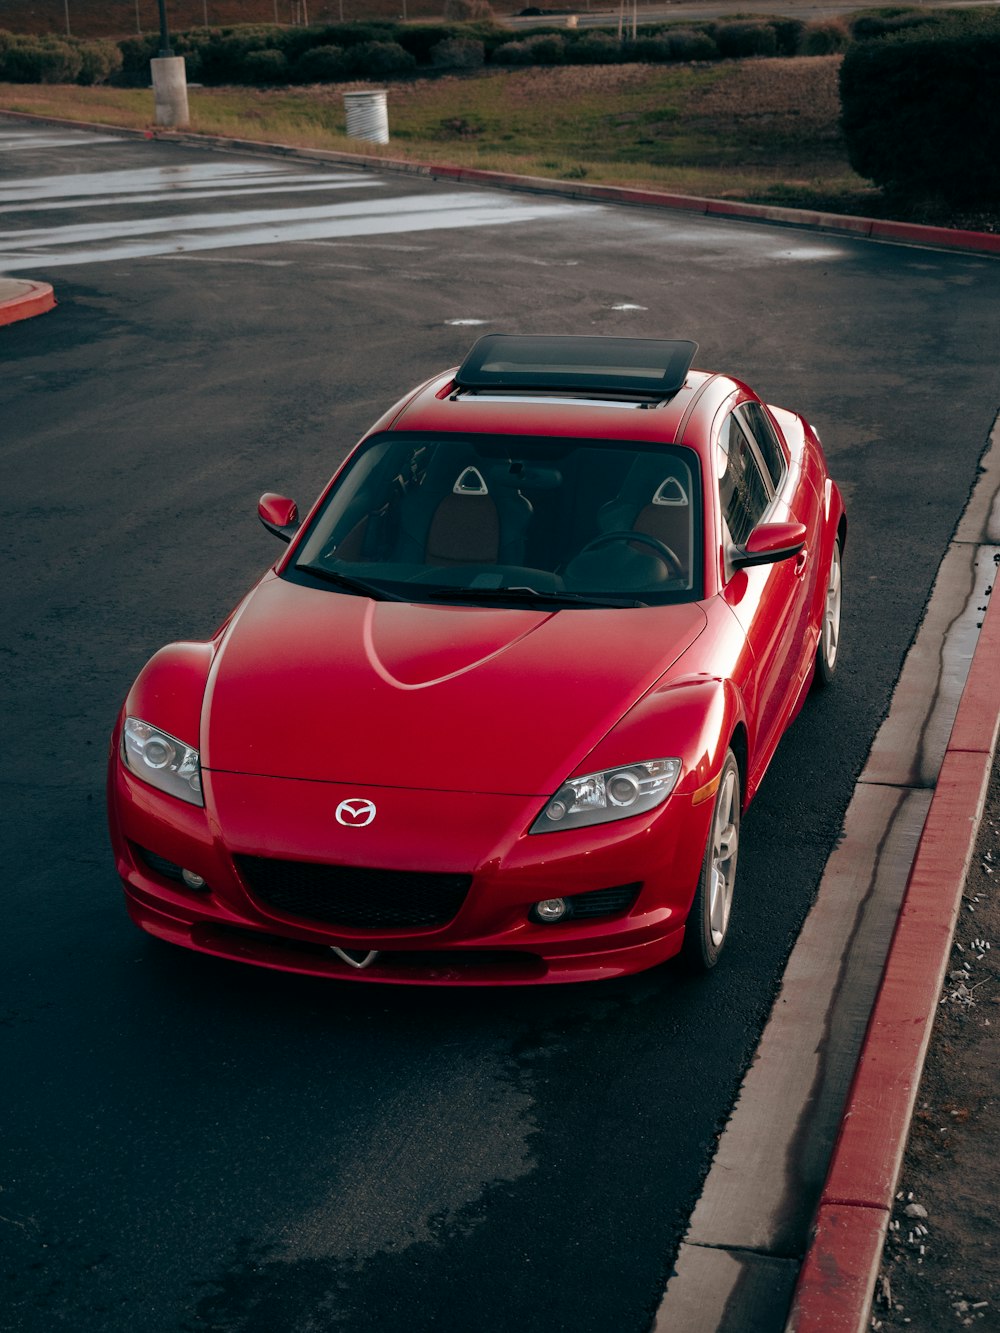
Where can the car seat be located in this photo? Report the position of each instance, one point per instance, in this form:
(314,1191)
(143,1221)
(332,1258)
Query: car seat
(464,513)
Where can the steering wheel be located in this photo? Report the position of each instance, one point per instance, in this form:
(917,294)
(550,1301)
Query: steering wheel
(669,557)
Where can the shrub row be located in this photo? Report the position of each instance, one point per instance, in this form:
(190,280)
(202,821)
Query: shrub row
(269,54)
(920,113)
(57,60)
(275,55)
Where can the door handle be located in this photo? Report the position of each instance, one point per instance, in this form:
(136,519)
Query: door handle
(801,560)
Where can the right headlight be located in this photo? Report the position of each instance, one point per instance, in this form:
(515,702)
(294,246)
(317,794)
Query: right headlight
(162,760)
(615,793)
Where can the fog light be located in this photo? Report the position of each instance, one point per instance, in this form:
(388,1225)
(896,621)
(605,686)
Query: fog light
(551,909)
(192,880)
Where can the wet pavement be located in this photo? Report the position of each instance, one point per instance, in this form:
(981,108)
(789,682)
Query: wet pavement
(201,1146)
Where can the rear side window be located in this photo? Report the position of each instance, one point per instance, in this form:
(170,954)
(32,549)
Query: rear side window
(743,492)
(759,425)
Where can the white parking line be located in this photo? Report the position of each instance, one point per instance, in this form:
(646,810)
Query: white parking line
(12,143)
(61,246)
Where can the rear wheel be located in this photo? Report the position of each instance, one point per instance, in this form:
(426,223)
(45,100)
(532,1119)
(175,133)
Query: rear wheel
(828,648)
(708,920)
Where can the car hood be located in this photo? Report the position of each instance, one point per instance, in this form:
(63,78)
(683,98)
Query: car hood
(324,686)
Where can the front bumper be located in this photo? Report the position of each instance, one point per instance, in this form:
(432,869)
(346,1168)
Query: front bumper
(490,940)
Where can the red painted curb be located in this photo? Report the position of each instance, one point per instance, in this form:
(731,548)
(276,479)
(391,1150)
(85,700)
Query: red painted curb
(907,233)
(837,1280)
(848,1246)
(36,300)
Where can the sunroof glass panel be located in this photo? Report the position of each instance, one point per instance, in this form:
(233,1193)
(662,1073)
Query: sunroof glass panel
(645,365)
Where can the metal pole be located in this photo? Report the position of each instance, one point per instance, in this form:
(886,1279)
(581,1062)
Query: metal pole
(164,33)
(138,25)
(68,33)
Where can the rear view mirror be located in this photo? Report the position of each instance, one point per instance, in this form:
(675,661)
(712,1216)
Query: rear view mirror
(279,515)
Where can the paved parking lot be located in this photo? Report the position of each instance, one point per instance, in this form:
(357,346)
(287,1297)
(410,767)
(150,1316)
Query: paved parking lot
(202,1146)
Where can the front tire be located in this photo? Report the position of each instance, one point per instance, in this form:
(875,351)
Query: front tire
(708,921)
(828,648)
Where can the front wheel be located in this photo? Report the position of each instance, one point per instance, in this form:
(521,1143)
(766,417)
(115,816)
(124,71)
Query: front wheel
(828,648)
(708,920)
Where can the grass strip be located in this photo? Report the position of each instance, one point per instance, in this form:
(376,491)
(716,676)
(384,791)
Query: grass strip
(763,130)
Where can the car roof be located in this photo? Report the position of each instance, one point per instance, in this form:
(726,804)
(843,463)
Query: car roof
(531,386)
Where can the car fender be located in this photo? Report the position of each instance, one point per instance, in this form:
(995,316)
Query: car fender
(691,718)
(170,689)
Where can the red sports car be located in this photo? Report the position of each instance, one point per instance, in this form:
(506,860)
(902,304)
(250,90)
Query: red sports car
(495,713)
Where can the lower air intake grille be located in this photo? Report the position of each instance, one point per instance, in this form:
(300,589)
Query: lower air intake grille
(354,897)
(604,902)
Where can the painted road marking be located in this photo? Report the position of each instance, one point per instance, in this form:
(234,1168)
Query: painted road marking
(22,142)
(149,237)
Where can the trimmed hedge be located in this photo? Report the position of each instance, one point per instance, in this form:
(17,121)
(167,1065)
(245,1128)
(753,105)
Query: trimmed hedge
(920,112)
(57,59)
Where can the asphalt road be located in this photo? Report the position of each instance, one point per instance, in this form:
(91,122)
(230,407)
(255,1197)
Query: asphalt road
(193,1145)
(590,14)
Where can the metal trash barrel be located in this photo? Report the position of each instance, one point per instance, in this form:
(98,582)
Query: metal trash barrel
(367,117)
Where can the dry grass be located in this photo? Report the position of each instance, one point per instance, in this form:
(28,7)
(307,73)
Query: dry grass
(757,129)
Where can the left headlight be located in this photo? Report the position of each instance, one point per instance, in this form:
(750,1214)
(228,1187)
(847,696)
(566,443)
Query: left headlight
(598,798)
(162,760)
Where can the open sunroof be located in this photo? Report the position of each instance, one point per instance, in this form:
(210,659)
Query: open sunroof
(649,366)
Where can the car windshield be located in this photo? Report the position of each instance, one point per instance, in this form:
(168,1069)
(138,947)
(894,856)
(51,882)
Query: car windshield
(510,520)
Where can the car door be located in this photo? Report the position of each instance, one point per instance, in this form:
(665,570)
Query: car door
(766,599)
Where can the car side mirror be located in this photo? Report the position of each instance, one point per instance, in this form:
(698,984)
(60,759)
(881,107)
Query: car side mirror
(769,543)
(279,515)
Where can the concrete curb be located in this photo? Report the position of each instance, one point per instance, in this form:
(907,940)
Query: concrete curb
(876,229)
(21,298)
(837,1280)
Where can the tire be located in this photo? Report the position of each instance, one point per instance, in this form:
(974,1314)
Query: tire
(708,921)
(828,648)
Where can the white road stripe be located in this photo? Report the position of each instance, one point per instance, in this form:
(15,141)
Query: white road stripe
(330,226)
(21,142)
(107,185)
(234,220)
(60,246)
(127,201)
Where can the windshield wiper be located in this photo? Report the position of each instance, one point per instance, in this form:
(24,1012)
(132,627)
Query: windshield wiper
(522,594)
(350,584)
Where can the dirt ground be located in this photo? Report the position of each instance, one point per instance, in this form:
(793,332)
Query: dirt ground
(941,1266)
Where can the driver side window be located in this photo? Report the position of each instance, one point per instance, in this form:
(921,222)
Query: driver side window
(743,491)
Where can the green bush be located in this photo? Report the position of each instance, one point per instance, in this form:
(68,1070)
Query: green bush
(825,37)
(321,64)
(788,34)
(539,49)
(650,50)
(267,66)
(420,39)
(458,53)
(379,60)
(920,114)
(692,44)
(886,22)
(741,39)
(296,41)
(40,60)
(595,48)
(99,62)
(136,53)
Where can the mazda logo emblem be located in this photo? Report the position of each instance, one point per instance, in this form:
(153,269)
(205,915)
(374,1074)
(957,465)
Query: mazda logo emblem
(355,813)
